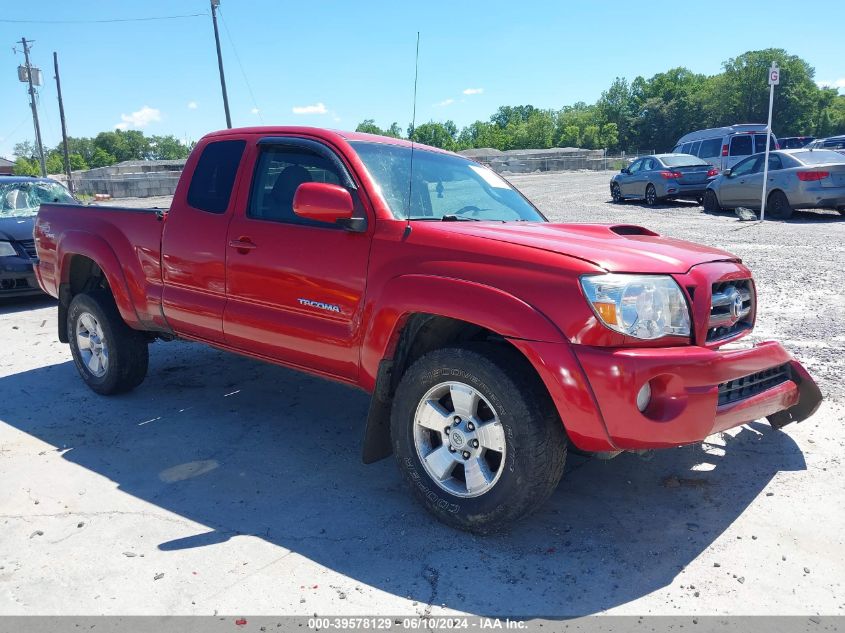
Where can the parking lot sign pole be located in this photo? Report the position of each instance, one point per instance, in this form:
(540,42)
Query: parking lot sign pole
(774,80)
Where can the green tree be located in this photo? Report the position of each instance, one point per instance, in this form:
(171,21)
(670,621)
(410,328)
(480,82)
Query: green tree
(55,163)
(77,162)
(102,158)
(26,167)
(368,126)
(441,135)
(166,148)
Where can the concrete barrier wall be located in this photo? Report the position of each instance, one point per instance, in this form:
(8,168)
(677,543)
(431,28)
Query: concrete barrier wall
(524,161)
(131,179)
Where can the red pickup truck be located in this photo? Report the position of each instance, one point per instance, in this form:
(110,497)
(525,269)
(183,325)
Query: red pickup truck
(490,339)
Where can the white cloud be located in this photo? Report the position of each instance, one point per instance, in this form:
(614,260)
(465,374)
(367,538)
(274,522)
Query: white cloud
(473,91)
(254,111)
(141,118)
(444,103)
(192,105)
(317,108)
(836,83)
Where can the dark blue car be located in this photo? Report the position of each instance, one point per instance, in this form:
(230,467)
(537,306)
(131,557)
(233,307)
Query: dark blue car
(20,197)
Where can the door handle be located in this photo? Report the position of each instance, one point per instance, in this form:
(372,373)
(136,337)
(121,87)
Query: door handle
(244,244)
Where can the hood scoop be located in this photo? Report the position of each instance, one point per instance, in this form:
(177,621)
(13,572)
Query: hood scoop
(632,229)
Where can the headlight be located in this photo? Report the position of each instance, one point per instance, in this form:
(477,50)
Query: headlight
(642,306)
(7,249)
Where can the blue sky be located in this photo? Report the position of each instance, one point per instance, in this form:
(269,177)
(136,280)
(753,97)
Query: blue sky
(334,64)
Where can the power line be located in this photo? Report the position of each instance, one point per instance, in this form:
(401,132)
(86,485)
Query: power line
(243,72)
(163,17)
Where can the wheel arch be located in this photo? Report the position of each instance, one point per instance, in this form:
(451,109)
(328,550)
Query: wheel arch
(86,262)
(412,318)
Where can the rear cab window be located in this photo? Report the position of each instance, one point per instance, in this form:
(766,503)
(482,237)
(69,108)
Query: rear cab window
(214,176)
(760,143)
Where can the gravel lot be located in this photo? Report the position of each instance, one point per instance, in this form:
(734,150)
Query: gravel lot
(223,485)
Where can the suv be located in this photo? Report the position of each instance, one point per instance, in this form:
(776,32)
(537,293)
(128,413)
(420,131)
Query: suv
(835,143)
(723,147)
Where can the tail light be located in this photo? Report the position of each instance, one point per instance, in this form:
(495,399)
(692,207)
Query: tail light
(724,150)
(712,172)
(811,176)
(668,175)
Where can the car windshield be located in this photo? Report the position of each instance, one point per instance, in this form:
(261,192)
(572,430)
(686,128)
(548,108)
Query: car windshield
(21,199)
(819,157)
(443,187)
(682,160)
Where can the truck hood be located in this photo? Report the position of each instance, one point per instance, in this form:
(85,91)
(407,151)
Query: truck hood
(613,247)
(15,229)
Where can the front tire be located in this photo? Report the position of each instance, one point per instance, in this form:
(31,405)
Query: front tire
(615,193)
(651,196)
(476,436)
(110,356)
(711,202)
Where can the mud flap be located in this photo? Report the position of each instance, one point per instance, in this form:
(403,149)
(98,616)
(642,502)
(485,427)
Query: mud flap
(377,445)
(809,399)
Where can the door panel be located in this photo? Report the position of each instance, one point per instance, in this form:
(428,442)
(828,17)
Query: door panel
(296,292)
(194,241)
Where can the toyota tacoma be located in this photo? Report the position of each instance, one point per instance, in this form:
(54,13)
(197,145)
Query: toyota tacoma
(491,340)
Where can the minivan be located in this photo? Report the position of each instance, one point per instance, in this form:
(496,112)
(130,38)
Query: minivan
(723,147)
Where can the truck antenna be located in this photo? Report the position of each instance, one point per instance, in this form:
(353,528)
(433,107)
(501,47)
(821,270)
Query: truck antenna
(411,135)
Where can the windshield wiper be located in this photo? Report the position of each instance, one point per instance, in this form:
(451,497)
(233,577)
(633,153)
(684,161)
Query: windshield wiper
(458,218)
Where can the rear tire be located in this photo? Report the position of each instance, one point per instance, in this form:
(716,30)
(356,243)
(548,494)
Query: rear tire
(517,441)
(778,205)
(110,356)
(711,202)
(651,196)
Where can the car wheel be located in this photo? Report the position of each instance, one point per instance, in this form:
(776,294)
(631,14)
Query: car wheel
(711,202)
(476,436)
(615,192)
(778,205)
(110,356)
(650,195)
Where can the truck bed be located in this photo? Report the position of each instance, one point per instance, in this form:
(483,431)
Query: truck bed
(132,236)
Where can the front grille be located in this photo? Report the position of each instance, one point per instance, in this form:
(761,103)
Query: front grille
(29,247)
(731,309)
(747,386)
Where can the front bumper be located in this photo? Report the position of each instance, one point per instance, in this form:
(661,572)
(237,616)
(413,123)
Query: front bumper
(17,278)
(685,384)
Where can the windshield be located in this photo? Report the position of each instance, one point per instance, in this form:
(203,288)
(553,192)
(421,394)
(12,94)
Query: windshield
(682,160)
(22,199)
(819,157)
(443,187)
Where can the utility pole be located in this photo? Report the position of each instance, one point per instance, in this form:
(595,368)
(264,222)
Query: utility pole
(25,45)
(62,117)
(214,5)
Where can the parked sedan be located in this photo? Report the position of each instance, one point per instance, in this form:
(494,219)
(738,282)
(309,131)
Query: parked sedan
(20,197)
(662,177)
(798,179)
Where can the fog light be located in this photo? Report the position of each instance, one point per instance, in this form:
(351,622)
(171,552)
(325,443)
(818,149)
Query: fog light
(644,396)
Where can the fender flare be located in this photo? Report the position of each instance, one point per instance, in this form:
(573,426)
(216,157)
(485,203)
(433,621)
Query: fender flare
(469,301)
(99,251)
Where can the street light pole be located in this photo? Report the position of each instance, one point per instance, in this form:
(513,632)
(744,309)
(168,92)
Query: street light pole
(25,45)
(214,5)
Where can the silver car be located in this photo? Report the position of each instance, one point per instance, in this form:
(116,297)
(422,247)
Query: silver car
(798,179)
(662,177)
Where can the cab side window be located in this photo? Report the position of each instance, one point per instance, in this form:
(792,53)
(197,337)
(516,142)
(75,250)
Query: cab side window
(278,173)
